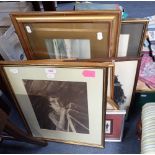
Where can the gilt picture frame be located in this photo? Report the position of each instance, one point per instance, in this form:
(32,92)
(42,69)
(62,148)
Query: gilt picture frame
(51,92)
(132,37)
(69,34)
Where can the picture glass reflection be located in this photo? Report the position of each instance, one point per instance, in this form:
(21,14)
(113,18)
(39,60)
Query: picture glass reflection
(68,48)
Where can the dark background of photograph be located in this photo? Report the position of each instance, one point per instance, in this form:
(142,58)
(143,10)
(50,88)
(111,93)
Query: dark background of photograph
(67,92)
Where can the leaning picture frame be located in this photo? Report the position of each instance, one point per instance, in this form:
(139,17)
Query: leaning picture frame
(60,101)
(132,35)
(69,34)
(114,125)
(125,80)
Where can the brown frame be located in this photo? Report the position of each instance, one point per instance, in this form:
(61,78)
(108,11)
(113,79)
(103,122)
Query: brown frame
(59,64)
(111,18)
(118,120)
(121,59)
(133,24)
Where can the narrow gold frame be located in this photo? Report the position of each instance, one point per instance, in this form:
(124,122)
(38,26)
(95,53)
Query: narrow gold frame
(144,22)
(60,64)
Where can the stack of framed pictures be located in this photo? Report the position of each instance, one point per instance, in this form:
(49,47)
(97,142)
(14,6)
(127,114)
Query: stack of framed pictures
(124,79)
(132,31)
(76,42)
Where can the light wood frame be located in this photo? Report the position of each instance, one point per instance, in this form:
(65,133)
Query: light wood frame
(13,68)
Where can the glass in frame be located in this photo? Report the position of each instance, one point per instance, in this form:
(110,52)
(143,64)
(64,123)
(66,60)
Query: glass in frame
(60,101)
(72,34)
(132,37)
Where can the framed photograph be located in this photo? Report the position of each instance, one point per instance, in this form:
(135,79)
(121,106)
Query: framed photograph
(60,101)
(125,79)
(132,36)
(114,125)
(70,34)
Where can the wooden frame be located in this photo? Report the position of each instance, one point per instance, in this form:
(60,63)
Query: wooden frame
(50,73)
(117,119)
(98,29)
(129,70)
(132,37)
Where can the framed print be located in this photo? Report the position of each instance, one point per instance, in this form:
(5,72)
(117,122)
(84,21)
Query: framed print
(122,82)
(60,101)
(126,72)
(70,34)
(132,37)
(108,126)
(114,125)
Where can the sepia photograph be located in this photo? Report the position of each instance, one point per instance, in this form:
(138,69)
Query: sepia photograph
(61,102)
(59,105)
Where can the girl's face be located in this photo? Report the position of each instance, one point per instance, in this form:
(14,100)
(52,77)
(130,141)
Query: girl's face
(55,104)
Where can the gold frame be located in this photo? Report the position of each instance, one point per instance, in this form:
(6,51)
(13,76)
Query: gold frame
(60,64)
(134,21)
(111,18)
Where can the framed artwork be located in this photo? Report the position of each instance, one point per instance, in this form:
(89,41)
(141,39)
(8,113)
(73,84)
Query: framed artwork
(132,36)
(125,79)
(114,125)
(70,34)
(108,126)
(60,101)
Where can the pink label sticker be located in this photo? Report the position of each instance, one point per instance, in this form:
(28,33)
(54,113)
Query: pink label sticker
(88,73)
